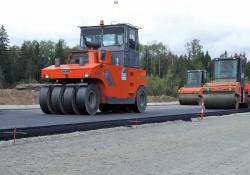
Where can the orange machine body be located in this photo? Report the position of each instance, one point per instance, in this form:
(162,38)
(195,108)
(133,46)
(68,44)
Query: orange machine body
(191,90)
(114,81)
(229,87)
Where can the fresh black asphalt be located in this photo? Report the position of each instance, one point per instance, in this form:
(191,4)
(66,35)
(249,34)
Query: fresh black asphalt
(36,118)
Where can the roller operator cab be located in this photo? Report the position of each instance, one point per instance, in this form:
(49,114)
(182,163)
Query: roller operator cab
(103,75)
(228,88)
(192,92)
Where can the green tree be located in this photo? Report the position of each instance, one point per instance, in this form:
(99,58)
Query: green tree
(181,70)
(5,63)
(30,61)
(47,52)
(61,50)
(207,59)
(153,58)
(15,55)
(194,48)
(195,54)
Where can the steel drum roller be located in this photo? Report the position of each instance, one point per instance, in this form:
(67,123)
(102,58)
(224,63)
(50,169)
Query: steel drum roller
(220,100)
(189,99)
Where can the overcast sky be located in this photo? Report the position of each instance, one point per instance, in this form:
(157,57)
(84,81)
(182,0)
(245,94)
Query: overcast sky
(219,24)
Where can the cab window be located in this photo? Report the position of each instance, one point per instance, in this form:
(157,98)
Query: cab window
(132,39)
(113,37)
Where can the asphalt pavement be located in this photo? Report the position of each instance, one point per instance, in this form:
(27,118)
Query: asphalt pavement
(34,117)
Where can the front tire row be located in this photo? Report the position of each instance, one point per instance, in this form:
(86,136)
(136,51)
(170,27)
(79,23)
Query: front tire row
(84,99)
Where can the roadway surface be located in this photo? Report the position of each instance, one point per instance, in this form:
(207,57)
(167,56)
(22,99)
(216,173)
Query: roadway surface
(215,146)
(36,118)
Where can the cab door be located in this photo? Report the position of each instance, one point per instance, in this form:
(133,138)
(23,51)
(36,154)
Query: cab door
(133,48)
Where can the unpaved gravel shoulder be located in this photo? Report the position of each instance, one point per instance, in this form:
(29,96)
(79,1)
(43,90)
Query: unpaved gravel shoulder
(216,145)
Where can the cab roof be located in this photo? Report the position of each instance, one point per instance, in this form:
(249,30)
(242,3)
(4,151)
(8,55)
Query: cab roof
(111,26)
(230,58)
(196,70)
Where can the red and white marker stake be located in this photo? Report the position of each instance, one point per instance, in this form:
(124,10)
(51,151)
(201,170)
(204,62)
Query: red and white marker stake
(202,109)
(14,136)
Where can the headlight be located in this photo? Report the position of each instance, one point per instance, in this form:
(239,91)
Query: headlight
(46,76)
(86,75)
(229,89)
(207,88)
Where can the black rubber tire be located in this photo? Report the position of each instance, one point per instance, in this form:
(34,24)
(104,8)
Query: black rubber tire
(88,99)
(140,100)
(45,99)
(69,100)
(56,99)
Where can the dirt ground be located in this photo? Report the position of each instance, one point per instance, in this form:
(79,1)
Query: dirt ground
(162,98)
(18,97)
(29,97)
(214,146)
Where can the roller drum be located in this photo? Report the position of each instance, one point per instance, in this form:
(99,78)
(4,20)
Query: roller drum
(189,99)
(220,100)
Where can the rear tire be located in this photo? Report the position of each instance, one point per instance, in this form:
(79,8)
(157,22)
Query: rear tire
(140,100)
(88,99)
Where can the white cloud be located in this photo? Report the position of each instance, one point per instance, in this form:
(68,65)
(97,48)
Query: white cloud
(219,24)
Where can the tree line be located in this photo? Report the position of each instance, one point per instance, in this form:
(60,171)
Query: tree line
(166,70)
(23,63)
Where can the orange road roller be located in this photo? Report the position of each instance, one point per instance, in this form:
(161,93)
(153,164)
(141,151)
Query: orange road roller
(192,92)
(103,75)
(228,89)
